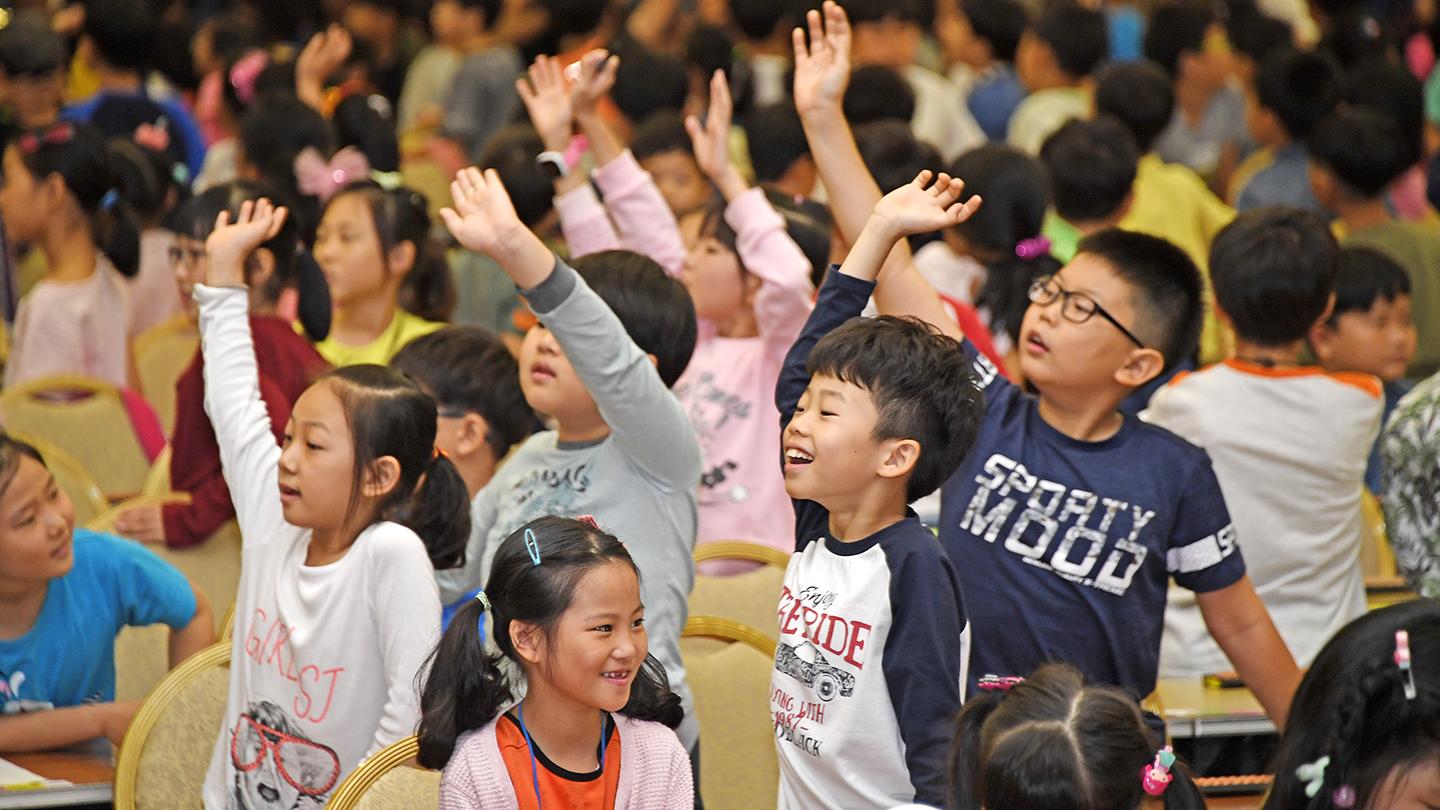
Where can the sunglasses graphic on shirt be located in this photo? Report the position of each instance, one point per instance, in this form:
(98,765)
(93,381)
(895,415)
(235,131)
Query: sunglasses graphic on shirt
(309,767)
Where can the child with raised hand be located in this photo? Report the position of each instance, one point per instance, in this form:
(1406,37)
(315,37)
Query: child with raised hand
(614,335)
(344,525)
(873,635)
(67,592)
(594,726)
(60,194)
(1362,730)
(1068,520)
(1051,740)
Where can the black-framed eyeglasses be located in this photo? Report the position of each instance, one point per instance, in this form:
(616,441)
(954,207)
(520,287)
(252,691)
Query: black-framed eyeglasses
(1075,307)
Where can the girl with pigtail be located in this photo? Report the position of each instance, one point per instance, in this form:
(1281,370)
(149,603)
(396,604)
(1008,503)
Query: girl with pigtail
(1364,728)
(594,727)
(1052,742)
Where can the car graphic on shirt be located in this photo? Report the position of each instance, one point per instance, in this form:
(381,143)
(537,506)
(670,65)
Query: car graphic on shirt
(825,679)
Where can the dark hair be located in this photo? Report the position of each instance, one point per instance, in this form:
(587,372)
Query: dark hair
(922,385)
(1079,37)
(654,308)
(809,224)
(196,219)
(1382,85)
(575,16)
(1366,275)
(469,369)
(428,291)
(758,19)
(123,32)
(1300,87)
(1169,292)
(467,686)
(511,152)
(1357,34)
(1173,30)
(1016,195)
(999,22)
(648,81)
(146,179)
(1256,34)
(1053,742)
(119,115)
(276,128)
(709,48)
(1362,148)
(776,140)
(78,153)
(1140,96)
(1351,707)
(389,415)
(367,123)
(11,451)
(878,93)
(863,11)
(30,47)
(661,133)
(893,155)
(1092,167)
(1273,270)
(490,8)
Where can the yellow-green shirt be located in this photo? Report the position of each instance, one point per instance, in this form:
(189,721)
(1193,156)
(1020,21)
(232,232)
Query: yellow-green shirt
(402,329)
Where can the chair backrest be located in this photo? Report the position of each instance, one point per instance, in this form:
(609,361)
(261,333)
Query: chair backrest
(732,704)
(741,550)
(751,598)
(388,780)
(1377,561)
(71,477)
(157,481)
(227,624)
(86,418)
(163,759)
(162,353)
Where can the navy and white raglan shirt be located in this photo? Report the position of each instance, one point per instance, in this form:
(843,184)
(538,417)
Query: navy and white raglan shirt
(1065,547)
(872,639)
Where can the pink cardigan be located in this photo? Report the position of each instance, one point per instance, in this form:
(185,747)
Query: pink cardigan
(654,771)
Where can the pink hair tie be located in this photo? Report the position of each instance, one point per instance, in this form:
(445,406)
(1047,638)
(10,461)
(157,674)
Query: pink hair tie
(1157,777)
(244,73)
(995,683)
(318,178)
(155,138)
(1033,248)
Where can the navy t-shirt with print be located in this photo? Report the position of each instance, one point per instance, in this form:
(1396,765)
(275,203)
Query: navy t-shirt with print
(1064,548)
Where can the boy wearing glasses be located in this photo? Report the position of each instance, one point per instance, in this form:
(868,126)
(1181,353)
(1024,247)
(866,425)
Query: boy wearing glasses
(1289,442)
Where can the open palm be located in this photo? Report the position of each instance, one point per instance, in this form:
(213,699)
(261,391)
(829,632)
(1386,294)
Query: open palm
(921,207)
(229,244)
(822,68)
(483,219)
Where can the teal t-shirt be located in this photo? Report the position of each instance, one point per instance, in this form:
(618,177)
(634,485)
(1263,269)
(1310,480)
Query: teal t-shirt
(68,657)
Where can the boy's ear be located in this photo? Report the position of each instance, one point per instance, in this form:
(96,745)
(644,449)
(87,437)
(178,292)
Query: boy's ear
(401,258)
(1322,338)
(526,638)
(382,477)
(472,435)
(1142,366)
(899,459)
(1324,187)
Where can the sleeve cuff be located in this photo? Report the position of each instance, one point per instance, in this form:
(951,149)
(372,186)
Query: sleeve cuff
(618,173)
(848,283)
(552,292)
(577,202)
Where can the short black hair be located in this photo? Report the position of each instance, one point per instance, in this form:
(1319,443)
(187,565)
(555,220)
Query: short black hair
(1256,34)
(1273,270)
(1079,37)
(1355,35)
(469,369)
(123,32)
(999,22)
(923,386)
(661,133)
(575,16)
(1173,30)
(1362,148)
(1300,87)
(1366,275)
(655,309)
(30,47)
(1383,85)
(1092,167)
(878,93)
(648,81)
(1141,97)
(490,8)
(511,152)
(894,155)
(776,140)
(1169,292)
(758,19)
(864,11)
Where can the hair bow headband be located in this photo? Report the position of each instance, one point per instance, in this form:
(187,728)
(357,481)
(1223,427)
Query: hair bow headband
(318,178)
(244,73)
(53,135)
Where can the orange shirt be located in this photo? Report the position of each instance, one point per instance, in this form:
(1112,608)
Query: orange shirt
(559,789)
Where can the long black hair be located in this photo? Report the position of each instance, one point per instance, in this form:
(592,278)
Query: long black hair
(1351,707)
(467,685)
(402,215)
(1052,742)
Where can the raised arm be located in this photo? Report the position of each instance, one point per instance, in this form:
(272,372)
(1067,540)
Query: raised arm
(822,72)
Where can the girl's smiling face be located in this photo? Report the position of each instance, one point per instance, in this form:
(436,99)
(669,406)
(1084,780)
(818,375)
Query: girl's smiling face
(595,650)
(348,250)
(37,522)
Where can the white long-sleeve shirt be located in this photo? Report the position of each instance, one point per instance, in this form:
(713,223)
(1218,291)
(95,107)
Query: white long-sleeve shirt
(324,658)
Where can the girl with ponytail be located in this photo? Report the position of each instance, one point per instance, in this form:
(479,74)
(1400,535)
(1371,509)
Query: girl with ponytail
(344,524)
(61,195)
(595,725)
(1051,742)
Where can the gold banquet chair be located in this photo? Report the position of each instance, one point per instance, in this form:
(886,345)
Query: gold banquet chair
(751,598)
(162,353)
(739,769)
(71,477)
(86,418)
(387,780)
(163,759)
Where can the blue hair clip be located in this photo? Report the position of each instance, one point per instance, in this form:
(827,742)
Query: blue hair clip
(484,601)
(108,201)
(533,546)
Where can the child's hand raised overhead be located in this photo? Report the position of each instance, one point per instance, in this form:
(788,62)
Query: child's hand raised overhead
(822,70)
(547,98)
(913,208)
(596,76)
(484,220)
(712,140)
(228,245)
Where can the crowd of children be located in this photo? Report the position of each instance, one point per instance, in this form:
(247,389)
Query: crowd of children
(1060,346)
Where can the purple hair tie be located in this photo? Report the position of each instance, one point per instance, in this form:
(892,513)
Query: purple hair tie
(1033,247)
(993,683)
